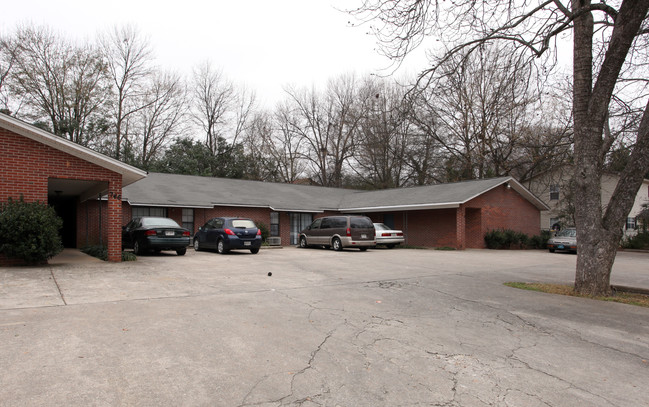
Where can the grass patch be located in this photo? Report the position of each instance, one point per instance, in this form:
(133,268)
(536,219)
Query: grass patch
(640,300)
(406,246)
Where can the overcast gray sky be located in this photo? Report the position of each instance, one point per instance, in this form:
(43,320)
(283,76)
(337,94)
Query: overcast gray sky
(263,44)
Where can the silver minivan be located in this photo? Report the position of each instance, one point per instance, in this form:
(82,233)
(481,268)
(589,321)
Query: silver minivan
(339,232)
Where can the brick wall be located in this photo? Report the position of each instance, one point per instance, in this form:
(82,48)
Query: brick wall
(500,208)
(26,166)
(503,208)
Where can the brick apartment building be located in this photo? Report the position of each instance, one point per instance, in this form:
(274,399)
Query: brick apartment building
(40,166)
(95,195)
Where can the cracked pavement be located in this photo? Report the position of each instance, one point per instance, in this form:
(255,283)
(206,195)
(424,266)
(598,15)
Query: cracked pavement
(381,328)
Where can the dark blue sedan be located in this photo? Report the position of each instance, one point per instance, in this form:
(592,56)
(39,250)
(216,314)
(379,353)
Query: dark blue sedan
(225,234)
(152,233)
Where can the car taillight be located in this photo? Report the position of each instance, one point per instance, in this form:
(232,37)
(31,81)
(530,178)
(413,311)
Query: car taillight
(386,234)
(399,234)
(229,232)
(186,233)
(349,232)
(150,233)
(258,232)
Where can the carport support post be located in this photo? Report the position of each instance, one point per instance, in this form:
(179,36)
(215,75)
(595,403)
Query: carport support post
(115,221)
(460,228)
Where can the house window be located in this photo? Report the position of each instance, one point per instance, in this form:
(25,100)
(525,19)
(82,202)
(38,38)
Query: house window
(555,224)
(274,223)
(139,211)
(554,192)
(188,219)
(630,223)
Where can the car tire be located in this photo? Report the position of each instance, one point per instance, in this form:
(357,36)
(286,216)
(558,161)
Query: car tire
(303,242)
(136,248)
(220,247)
(254,251)
(363,249)
(337,244)
(551,250)
(181,252)
(197,245)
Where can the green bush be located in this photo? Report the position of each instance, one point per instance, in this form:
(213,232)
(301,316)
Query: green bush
(539,241)
(639,241)
(101,252)
(265,232)
(29,231)
(510,239)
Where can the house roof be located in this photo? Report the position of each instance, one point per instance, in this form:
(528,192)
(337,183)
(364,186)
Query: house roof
(206,192)
(129,174)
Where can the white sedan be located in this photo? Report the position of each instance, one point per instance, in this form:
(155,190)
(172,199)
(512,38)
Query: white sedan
(387,237)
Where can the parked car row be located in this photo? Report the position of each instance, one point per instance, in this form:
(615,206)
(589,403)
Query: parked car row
(223,234)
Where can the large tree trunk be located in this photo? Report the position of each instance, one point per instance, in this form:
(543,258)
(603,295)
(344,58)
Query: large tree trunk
(598,234)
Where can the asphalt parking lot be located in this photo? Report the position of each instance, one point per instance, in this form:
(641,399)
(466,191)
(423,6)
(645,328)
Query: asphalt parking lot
(380,328)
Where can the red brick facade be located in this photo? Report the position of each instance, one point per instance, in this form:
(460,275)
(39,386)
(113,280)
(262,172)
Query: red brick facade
(26,166)
(465,227)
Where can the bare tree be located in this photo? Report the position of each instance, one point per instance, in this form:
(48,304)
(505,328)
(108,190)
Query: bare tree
(64,84)
(605,37)
(328,124)
(161,119)
(380,160)
(8,55)
(214,97)
(480,104)
(128,57)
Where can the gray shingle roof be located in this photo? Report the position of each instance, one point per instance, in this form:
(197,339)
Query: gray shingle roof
(197,192)
(200,192)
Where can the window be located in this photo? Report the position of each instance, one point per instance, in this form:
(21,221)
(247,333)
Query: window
(555,224)
(630,223)
(139,211)
(188,220)
(274,223)
(554,192)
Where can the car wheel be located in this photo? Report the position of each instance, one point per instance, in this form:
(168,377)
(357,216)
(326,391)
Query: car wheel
(197,245)
(181,252)
(303,242)
(551,250)
(363,249)
(254,251)
(220,247)
(336,244)
(136,248)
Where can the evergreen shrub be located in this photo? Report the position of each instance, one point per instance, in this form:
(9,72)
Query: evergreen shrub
(29,231)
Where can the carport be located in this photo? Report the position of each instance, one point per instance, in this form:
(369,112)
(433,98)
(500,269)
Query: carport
(40,166)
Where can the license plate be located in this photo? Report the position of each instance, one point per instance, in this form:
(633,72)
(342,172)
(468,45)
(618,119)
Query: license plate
(560,246)
(363,236)
(246,243)
(169,233)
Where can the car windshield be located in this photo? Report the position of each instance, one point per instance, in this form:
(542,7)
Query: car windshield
(567,233)
(243,223)
(380,226)
(163,222)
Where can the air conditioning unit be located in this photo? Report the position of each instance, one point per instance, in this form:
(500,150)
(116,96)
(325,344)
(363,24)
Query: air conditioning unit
(274,241)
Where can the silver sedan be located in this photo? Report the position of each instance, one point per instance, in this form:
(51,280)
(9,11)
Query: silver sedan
(387,236)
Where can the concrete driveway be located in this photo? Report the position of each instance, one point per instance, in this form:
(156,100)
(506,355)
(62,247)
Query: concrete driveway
(380,328)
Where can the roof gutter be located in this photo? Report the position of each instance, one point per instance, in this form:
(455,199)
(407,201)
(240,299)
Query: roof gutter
(447,205)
